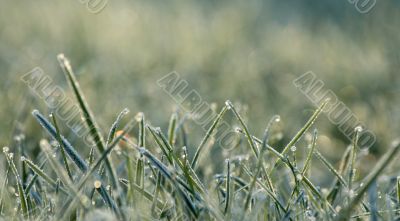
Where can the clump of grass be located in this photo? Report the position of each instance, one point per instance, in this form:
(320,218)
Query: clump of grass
(158,177)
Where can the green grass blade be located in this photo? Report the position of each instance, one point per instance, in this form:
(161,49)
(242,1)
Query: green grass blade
(40,172)
(398,189)
(245,128)
(172,129)
(259,163)
(114,126)
(330,167)
(228,189)
(165,150)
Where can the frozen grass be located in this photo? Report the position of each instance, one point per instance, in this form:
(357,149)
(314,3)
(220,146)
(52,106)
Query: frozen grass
(155,176)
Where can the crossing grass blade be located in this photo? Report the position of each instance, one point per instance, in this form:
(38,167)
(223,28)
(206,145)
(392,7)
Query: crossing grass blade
(74,156)
(145,193)
(173,180)
(69,149)
(376,171)
(114,126)
(259,162)
(330,167)
(33,180)
(41,173)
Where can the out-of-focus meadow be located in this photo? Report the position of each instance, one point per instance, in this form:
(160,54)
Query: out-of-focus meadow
(245,51)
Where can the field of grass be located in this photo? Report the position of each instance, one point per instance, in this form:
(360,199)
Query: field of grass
(129,143)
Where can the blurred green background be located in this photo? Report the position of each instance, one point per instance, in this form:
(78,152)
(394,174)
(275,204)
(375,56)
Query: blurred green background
(245,51)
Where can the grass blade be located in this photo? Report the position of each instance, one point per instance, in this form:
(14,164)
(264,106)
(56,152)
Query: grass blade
(87,113)
(172,129)
(259,162)
(61,147)
(115,125)
(69,149)
(40,172)
(172,178)
(21,193)
(207,136)
(310,153)
(245,128)
(228,189)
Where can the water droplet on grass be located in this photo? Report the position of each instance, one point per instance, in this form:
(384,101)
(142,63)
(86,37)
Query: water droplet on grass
(97,184)
(358,129)
(6,149)
(228,104)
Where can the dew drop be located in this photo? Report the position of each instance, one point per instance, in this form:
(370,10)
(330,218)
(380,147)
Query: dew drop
(293,148)
(142,150)
(6,149)
(351,193)
(358,129)
(238,130)
(139,116)
(97,184)
(125,111)
(228,104)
